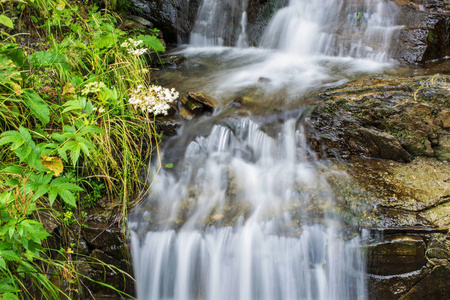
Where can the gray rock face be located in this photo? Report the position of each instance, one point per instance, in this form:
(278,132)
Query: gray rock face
(423,33)
(175,18)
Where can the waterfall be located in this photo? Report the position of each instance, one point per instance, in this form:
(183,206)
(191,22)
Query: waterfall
(219,22)
(247,213)
(360,29)
(246,216)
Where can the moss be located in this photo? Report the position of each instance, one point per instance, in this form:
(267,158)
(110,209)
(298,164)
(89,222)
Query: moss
(431,38)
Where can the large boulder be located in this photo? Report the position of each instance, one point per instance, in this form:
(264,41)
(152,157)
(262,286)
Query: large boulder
(384,117)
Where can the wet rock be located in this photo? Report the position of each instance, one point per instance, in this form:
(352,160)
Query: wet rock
(192,105)
(168,61)
(436,285)
(103,258)
(424,35)
(393,286)
(365,117)
(184,112)
(374,143)
(173,17)
(201,98)
(396,255)
(444,118)
(141,21)
(443,148)
(168,125)
(98,235)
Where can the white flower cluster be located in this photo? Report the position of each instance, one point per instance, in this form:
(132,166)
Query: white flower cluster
(132,45)
(92,87)
(154,99)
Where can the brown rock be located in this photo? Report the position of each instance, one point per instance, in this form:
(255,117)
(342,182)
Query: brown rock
(444,118)
(201,98)
(435,285)
(397,255)
(193,106)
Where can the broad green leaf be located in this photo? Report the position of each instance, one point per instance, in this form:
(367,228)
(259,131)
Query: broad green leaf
(63,154)
(10,296)
(7,289)
(46,59)
(2,264)
(38,107)
(68,197)
(6,21)
(63,188)
(75,153)
(12,182)
(13,170)
(152,42)
(11,136)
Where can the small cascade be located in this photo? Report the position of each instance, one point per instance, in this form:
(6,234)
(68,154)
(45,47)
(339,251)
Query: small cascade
(247,216)
(242,41)
(218,23)
(359,29)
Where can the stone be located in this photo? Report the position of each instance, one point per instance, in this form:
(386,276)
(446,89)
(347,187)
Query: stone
(201,98)
(443,148)
(436,285)
(396,255)
(193,106)
(444,118)
(364,118)
(103,258)
(393,286)
(380,144)
(99,236)
(141,21)
(184,112)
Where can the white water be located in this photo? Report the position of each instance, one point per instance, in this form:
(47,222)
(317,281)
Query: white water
(217,23)
(245,215)
(270,247)
(358,29)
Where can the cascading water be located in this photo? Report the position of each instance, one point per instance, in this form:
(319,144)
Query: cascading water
(246,212)
(360,29)
(246,217)
(218,22)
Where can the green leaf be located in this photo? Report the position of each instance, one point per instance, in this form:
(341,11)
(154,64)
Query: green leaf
(2,264)
(152,42)
(75,153)
(38,107)
(12,182)
(6,21)
(169,166)
(13,137)
(46,59)
(13,170)
(68,197)
(63,188)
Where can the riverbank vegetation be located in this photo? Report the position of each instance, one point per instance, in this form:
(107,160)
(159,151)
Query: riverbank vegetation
(68,134)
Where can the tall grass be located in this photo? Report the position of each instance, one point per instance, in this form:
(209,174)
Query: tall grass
(65,127)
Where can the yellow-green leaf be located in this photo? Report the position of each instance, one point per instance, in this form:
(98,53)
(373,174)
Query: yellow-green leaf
(53,163)
(6,21)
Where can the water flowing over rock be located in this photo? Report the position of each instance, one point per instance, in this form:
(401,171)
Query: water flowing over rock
(298,169)
(240,221)
(361,28)
(220,23)
(334,28)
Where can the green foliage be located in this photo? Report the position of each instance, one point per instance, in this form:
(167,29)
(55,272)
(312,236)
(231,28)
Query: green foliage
(38,107)
(65,126)
(6,21)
